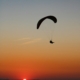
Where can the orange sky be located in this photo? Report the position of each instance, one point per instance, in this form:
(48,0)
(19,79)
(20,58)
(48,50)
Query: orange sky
(33,60)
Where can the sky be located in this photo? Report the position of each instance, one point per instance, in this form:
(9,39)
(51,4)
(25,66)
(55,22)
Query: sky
(25,52)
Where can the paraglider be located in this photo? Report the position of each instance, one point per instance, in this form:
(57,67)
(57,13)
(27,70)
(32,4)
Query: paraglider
(51,42)
(53,18)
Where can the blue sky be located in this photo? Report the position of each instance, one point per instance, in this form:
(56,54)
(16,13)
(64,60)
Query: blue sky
(21,16)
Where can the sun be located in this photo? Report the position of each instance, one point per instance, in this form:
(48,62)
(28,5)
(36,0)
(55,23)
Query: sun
(24,79)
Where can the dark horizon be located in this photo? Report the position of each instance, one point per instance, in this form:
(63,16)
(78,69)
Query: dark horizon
(52,78)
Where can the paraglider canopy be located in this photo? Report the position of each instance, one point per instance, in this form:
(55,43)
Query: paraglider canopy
(53,18)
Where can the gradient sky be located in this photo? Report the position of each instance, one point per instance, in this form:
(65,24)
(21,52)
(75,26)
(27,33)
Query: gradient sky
(26,51)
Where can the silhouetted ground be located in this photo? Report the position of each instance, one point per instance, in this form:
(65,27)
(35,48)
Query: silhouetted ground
(46,79)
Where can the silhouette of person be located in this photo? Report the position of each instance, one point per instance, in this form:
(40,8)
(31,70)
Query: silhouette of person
(51,42)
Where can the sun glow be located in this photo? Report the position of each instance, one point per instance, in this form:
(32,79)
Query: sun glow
(24,79)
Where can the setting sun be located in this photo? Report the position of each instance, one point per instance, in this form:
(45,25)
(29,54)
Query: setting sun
(24,79)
